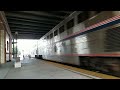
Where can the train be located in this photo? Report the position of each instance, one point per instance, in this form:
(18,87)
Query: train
(87,39)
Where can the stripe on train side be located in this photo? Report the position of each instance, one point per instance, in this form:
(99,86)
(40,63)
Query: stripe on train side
(93,55)
(98,26)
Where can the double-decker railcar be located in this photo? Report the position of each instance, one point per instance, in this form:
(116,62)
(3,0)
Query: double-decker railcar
(89,39)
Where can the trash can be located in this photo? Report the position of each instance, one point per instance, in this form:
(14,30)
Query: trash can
(17,63)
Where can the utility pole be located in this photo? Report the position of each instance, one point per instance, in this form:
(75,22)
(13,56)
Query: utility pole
(17,63)
(16,34)
(13,49)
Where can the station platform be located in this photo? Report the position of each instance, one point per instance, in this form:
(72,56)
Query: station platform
(39,69)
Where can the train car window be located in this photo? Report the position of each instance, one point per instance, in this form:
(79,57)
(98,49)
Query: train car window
(70,24)
(56,33)
(48,37)
(51,35)
(83,16)
(61,29)
(45,38)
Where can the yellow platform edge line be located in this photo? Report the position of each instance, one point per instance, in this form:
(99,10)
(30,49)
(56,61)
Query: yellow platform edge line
(96,74)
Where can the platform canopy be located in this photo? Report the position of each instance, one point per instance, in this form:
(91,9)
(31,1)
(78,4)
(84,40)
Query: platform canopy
(34,24)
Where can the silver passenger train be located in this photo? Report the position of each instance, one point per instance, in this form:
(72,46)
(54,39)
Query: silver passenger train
(89,39)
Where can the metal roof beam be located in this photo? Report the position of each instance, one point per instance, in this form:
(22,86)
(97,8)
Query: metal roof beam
(33,21)
(22,34)
(30,33)
(31,17)
(30,24)
(41,13)
(37,14)
(27,26)
(21,30)
(28,37)
(30,21)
